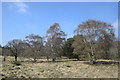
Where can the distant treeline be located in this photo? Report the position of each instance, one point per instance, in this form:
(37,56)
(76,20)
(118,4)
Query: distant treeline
(92,40)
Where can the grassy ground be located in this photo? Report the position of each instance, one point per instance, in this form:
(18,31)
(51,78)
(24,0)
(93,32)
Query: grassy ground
(60,69)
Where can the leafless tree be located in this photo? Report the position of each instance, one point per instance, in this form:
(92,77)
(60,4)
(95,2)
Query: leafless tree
(55,40)
(93,31)
(35,43)
(15,46)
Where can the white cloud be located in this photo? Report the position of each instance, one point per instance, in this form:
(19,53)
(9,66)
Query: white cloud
(20,6)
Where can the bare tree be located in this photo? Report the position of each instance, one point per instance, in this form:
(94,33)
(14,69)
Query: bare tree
(55,40)
(15,46)
(93,30)
(35,43)
(47,50)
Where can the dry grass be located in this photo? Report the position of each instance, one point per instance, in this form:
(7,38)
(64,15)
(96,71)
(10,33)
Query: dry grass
(60,69)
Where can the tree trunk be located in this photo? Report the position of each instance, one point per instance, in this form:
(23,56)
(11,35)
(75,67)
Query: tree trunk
(106,55)
(4,59)
(15,58)
(35,59)
(53,59)
(78,58)
(47,58)
(92,60)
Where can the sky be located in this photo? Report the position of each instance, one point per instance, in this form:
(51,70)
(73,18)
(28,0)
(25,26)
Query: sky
(20,19)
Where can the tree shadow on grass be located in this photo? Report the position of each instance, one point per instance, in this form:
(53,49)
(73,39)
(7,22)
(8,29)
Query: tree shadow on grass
(51,61)
(103,63)
(57,61)
(28,61)
(83,61)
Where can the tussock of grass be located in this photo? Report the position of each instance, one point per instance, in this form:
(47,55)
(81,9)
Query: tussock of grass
(68,66)
(17,63)
(60,69)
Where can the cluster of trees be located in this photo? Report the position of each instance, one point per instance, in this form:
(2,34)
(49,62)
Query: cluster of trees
(96,39)
(35,46)
(92,40)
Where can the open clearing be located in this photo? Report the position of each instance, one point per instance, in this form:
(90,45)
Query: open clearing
(59,69)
